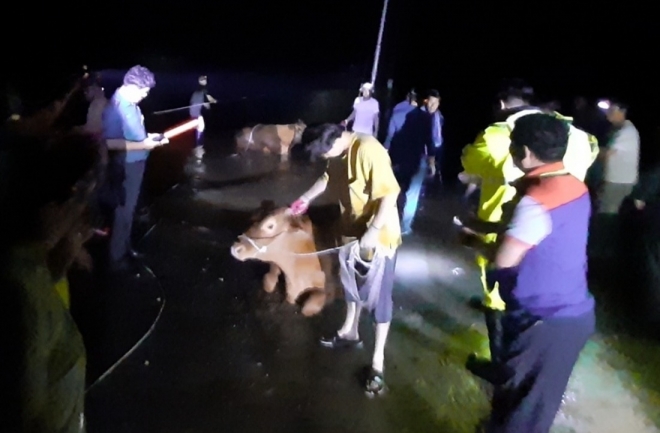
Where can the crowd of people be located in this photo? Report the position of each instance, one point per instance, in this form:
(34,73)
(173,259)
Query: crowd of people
(530,233)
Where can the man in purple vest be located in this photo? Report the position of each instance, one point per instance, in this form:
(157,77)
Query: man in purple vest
(540,267)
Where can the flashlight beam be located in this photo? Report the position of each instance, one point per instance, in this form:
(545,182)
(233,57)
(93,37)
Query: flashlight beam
(180,129)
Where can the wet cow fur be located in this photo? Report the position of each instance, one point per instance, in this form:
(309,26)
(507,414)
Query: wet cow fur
(288,243)
(275,139)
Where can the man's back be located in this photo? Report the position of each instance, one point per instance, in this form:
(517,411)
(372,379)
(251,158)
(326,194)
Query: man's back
(553,217)
(358,180)
(365,112)
(408,142)
(197,100)
(124,120)
(623,165)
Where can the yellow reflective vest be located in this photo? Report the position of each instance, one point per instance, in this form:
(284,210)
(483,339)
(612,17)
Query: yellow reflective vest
(489,160)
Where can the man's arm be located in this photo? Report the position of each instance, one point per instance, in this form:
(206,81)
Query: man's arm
(351,117)
(126,145)
(428,141)
(376,122)
(135,137)
(626,140)
(530,225)
(317,189)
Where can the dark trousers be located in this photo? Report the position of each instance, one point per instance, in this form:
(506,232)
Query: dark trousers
(540,356)
(494,326)
(438,153)
(120,239)
(410,177)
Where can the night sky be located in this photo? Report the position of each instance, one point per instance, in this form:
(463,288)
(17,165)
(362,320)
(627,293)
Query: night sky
(462,48)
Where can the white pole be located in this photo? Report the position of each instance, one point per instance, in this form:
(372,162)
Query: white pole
(374,70)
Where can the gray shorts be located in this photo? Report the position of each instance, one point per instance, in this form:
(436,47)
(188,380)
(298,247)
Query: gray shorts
(611,195)
(384,306)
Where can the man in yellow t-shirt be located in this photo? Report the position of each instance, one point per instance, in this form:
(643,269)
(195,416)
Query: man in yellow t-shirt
(359,174)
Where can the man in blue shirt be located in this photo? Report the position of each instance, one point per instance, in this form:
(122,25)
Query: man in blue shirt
(432,106)
(409,140)
(129,143)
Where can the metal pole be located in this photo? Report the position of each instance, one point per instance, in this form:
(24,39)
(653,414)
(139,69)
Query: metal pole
(378,44)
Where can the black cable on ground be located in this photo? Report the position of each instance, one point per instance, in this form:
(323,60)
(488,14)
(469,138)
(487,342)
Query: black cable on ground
(153,325)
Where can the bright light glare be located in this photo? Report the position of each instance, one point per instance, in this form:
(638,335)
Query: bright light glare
(177,130)
(604,105)
(415,266)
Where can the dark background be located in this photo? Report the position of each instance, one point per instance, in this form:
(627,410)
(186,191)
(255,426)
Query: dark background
(275,54)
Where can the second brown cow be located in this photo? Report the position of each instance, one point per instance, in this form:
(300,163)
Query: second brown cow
(275,139)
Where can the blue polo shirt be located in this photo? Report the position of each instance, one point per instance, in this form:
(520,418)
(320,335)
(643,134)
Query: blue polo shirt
(123,120)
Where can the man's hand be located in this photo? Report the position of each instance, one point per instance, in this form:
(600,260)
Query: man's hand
(154,141)
(299,206)
(211,99)
(369,240)
(639,204)
(207,105)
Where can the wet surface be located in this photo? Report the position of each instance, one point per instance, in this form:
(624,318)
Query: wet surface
(225,356)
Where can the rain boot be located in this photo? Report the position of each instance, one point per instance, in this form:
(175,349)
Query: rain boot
(491,370)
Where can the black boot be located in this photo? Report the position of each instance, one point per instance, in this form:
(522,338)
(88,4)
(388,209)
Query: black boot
(493,370)
(495,334)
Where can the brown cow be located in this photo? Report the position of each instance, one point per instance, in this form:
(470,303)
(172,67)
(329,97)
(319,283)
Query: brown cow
(287,243)
(275,139)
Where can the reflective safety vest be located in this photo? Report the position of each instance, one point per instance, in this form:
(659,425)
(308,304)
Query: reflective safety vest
(488,158)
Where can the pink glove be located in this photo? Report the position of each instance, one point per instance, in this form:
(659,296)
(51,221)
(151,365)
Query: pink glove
(299,206)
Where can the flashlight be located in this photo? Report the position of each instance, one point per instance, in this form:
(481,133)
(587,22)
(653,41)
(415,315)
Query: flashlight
(177,130)
(604,104)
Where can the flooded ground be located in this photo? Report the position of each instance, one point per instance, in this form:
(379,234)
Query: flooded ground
(226,357)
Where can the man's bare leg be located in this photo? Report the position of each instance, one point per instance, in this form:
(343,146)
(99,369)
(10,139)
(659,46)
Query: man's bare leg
(378,362)
(350,329)
(348,335)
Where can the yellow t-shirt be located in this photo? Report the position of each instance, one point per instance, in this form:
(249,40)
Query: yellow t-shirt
(358,180)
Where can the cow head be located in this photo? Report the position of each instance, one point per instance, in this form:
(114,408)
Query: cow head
(271,234)
(299,128)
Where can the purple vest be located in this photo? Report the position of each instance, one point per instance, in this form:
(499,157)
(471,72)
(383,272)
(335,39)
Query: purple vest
(551,280)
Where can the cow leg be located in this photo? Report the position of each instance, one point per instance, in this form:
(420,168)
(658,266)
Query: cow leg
(271,278)
(314,303)
(294,288)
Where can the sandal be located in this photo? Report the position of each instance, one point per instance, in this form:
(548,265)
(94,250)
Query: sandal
(375,385)
(337,342)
